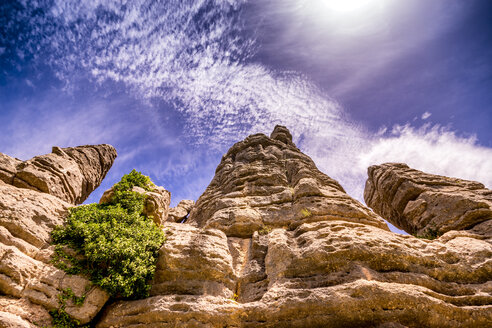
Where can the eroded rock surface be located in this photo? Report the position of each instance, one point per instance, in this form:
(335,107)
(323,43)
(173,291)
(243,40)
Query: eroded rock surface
(267,182)
(273,242)
(426,204)
(181,211)
(70,174)
(34,198)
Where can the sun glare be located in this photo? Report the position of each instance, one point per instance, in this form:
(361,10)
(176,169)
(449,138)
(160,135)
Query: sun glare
(344,6)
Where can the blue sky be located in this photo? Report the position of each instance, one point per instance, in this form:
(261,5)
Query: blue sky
(173,84)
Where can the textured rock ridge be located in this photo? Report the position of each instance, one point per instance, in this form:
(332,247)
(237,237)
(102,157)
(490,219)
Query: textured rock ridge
(273,242)
(34,197)
(426,204)
(268,182)
(70,174)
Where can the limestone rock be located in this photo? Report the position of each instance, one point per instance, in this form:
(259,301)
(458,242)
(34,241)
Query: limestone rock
(27,276)
(156,202)
(194,262)
(426,204)
(329,273)
(8,168)
(181,211)
(70,174)
(22,313)
(273,242)
(268,182)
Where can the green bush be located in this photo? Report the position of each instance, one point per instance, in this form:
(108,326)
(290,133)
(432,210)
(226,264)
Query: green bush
(118,243)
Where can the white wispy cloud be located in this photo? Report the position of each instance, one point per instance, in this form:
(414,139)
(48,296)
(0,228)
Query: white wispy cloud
(426,115)
(195,55)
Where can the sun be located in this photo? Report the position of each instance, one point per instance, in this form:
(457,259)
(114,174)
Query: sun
(345,6)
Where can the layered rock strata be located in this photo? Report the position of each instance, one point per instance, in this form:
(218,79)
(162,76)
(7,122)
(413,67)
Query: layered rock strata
(266,183)
(428,205)
(70,174)
(33,200)
(273,242)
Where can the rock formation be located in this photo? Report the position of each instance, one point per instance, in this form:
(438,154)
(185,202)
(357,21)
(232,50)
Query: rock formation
(33,200)
(274,242)
(267,183)
(181,211)
(428,205)
(70,174)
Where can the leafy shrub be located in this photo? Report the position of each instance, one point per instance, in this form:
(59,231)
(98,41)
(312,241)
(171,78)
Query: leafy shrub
(118,243)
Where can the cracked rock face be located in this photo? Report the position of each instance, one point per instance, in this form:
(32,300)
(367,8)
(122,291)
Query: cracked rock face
(425,204)
(34,198)
(273,242)
(181,211)
(70,174)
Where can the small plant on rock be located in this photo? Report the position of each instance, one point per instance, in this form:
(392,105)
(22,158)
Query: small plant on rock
(265,230)
(306,213)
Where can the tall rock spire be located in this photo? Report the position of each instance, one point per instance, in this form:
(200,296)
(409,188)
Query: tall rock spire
(269,182)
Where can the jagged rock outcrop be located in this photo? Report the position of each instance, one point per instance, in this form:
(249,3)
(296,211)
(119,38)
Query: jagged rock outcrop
(267,182)
(181,211)
(428,205)
(70,174)
(273,242)
(34,198)
(156,204)
(8,168)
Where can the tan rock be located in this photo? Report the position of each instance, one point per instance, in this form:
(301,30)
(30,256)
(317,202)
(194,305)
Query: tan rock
(9,320)
(27,217)
(181,211)
(194,262)
(426,204)
(21,309)
(289,248)
(27,276)
(265,181)
(8,168)
(70,174)
(329,273)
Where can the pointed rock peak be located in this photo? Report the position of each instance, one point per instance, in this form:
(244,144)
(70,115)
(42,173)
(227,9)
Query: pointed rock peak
(281,133)
(264,183)
(70,174)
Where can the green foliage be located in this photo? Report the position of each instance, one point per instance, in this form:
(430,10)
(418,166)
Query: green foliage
(68,294)
(118,243)
(61,319)
(430,233)
(134,179)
